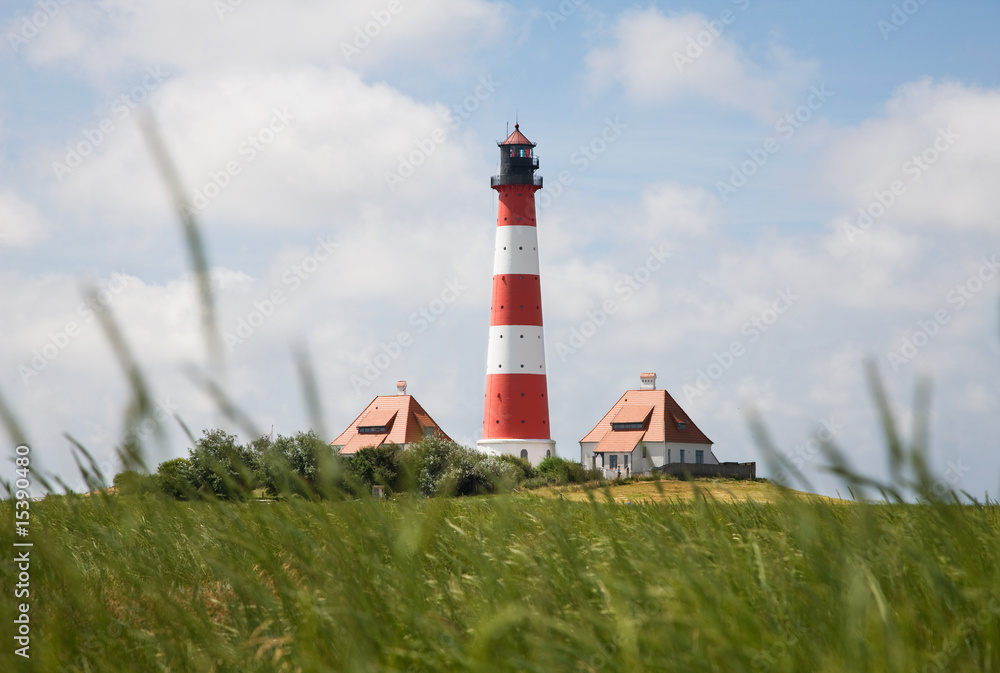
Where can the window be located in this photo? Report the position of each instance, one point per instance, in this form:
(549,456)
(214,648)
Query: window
(626,460)
(682,455)
(699,456)
(371,429)
(613,463)
(644,453)
(626,426)
(524,453)
(548,453)
(668,455)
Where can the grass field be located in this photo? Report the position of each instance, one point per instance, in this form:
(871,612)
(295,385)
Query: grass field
(674,490)
(509,583)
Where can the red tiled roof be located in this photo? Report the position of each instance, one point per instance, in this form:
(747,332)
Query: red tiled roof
(662,424)
(633,413)
(407,418)
(378,417)
(517,138)
(621,441)
(359,441)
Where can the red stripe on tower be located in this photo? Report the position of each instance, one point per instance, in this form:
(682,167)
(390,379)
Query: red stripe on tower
(516,409)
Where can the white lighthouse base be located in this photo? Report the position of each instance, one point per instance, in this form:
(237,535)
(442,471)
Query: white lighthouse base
(535,450)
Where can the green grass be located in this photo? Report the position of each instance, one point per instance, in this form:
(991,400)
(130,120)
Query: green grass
(509,584)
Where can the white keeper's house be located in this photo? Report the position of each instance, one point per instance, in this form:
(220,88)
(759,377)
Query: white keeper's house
(645,429)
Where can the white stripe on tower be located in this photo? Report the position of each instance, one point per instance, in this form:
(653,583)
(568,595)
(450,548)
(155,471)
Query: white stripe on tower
(516,251)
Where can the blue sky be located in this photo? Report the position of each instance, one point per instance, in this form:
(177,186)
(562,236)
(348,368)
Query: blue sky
(678,130)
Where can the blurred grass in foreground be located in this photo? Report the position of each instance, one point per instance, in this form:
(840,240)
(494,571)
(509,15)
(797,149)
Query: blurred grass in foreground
(509,583)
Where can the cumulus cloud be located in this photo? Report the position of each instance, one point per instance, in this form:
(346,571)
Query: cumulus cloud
(667,58)
(938,144)
(278,148)
(191,35)
(21,225)
(677,210)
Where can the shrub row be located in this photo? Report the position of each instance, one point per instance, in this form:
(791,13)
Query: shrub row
(220,467)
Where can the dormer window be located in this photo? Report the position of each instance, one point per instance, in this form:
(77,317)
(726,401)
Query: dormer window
(681,425)
(371,429)
(626,426)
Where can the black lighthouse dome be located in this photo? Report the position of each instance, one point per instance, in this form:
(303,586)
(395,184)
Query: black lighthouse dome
(518,161)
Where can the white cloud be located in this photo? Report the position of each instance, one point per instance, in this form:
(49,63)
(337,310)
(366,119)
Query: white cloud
(940,142)
(21,225)
(192,35)
(668,58)
(674,210)
(291,148)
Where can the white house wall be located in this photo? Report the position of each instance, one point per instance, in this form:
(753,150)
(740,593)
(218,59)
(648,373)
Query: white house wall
(656,455)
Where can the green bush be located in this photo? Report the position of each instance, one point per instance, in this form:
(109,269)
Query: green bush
(294,465)
(306,466)
(175,478)
(525,470)
(377,465)
(561,471)
(426,462)
(222,467)
(131,482)
(436,466)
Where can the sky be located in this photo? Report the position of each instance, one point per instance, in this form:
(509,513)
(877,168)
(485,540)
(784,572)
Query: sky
(749,198)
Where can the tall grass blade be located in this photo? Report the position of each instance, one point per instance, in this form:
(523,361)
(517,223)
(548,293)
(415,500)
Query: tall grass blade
(140,406)
(222,400)
(192,237)
(310,389)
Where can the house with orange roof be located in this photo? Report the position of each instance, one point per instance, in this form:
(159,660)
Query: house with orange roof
(646,429)
(388,419)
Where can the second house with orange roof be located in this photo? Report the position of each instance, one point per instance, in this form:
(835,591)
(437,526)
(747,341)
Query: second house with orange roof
(645,429)
(388,419)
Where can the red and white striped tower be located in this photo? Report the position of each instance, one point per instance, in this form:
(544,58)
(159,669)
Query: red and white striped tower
(516,411)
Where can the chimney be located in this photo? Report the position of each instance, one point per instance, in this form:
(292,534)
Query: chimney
(647,381)
(401,387)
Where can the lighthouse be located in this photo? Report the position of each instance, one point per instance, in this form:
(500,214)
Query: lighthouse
(516,408)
